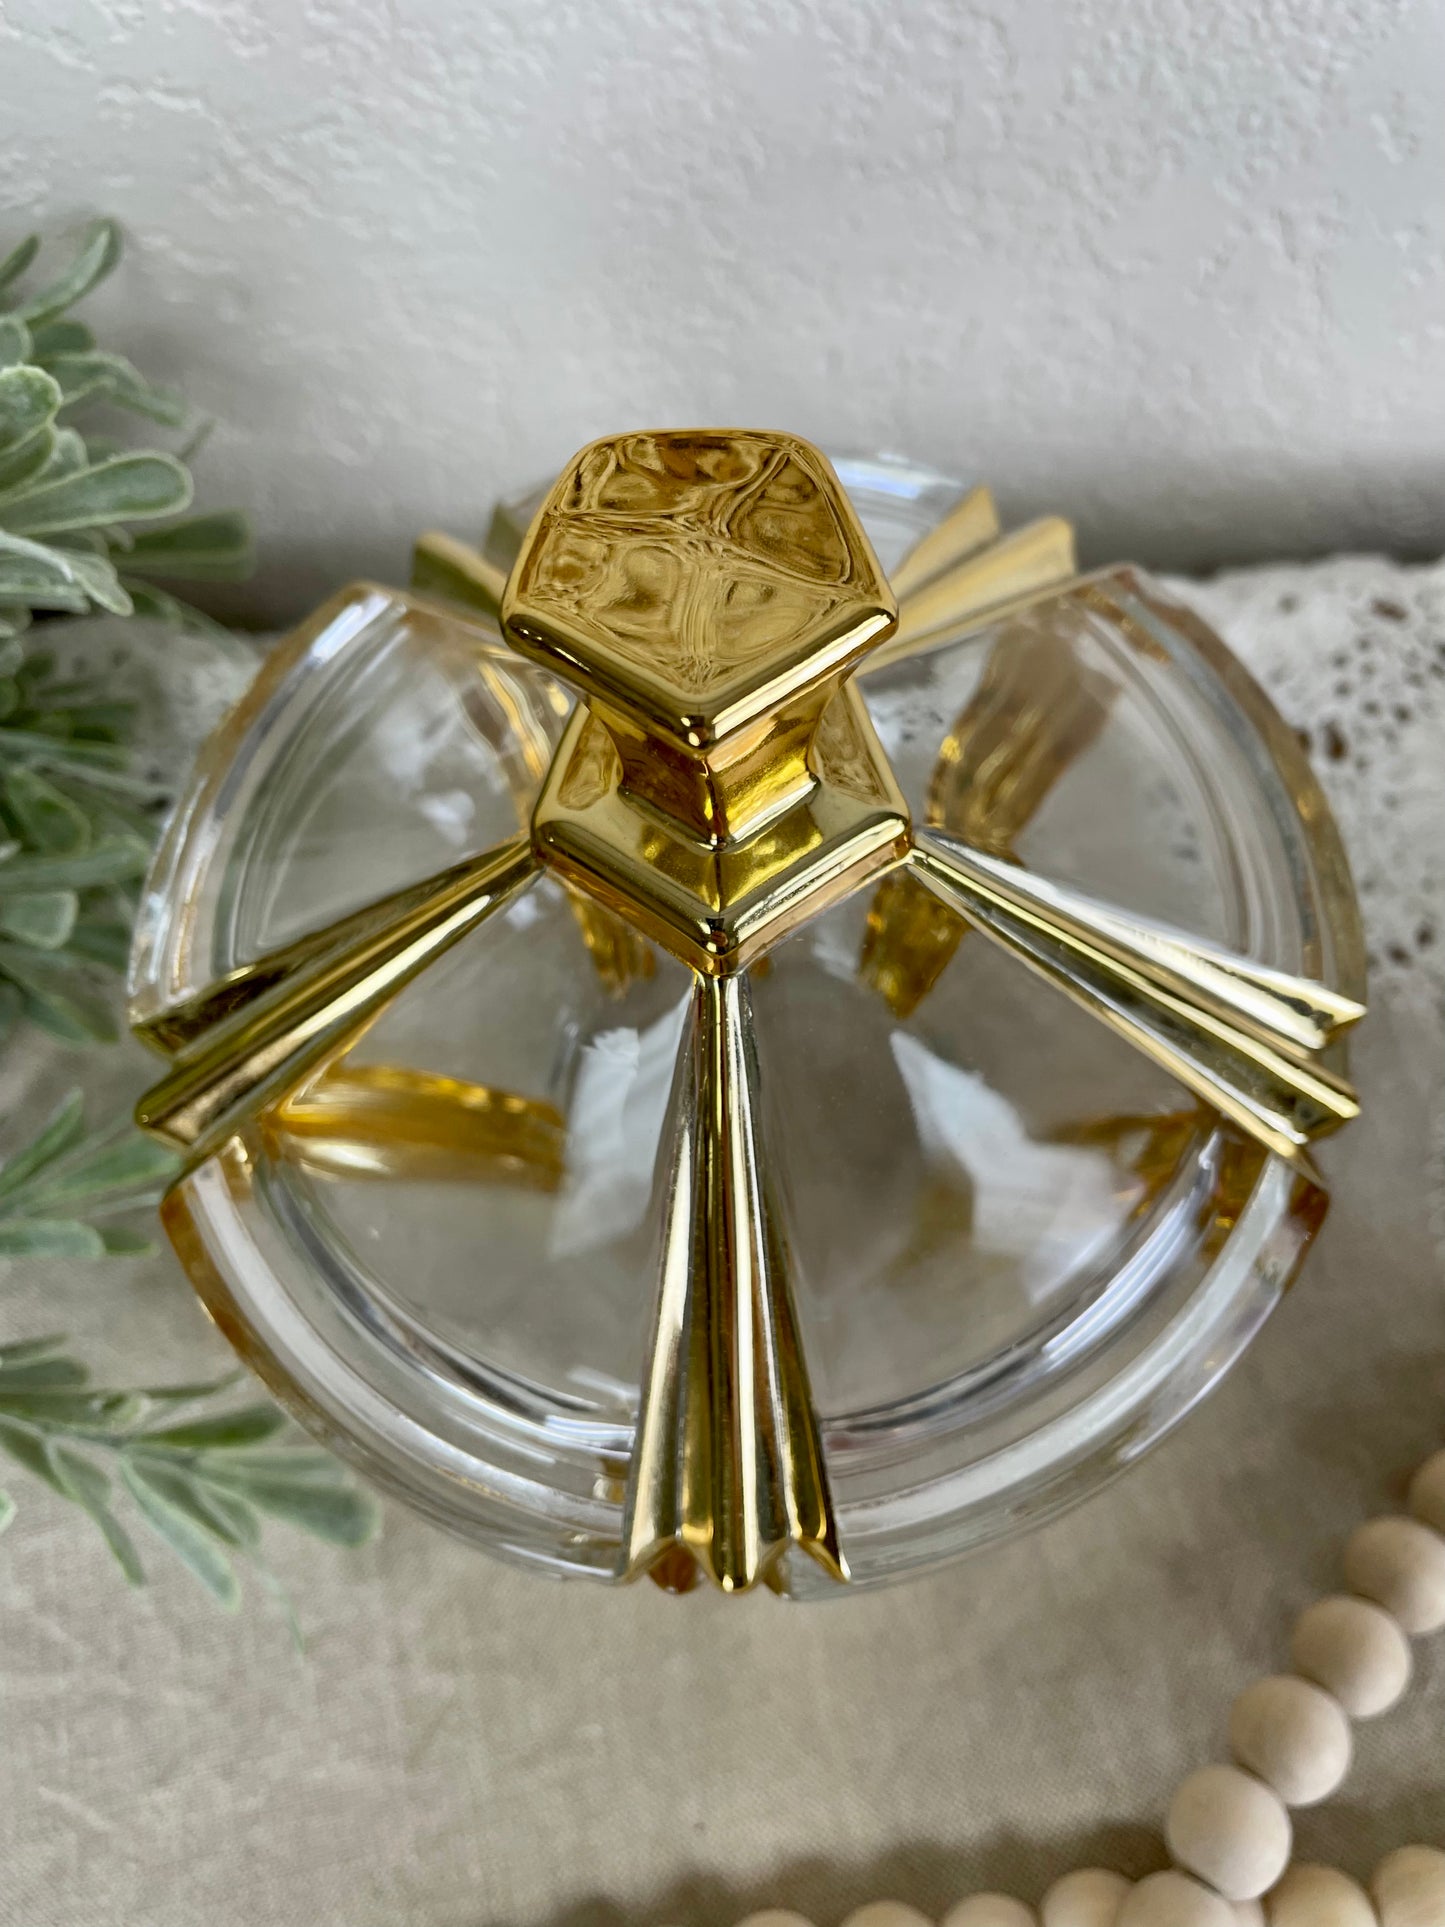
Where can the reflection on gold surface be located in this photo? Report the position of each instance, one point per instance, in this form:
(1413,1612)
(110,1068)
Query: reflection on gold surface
(970,525)
(719,908)
(706,591)
(281,1026)
(503,711)
(1247,1039)
(385,1121)
(943,1217)
(727,1468)
(1148,1143)
(1017,568)
(1035,711)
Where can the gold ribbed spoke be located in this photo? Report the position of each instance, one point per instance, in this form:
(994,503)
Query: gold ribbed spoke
(727,1464)
(1244,1037)
(277,1021)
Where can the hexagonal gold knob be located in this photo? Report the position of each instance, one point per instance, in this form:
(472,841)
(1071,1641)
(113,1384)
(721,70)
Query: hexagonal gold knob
(708,591)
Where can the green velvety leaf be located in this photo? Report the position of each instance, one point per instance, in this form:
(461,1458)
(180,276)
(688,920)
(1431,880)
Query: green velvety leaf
(51,820)
(97,254)
(192,1544)
(14,621)
(297,1464)
(160,607)
(106,944)
(111,861)
(37,573)
(12,1008)
(7,1509)
(60,338)
(61,1132)
(41,588)
(48,743)
(249,1426)
(47,1238)
(28,401)
(125,1244)
(90,1488)
(29,1447)
(68,456)
(328,1508)
(18,260)
(186,1394)
(134,1164)
(88,1414)
(45,921)
(211,548)
(23,1350)
(126,488)
(21,464)
(54,1000)
(96,375)
(96,575)
(237,1523)
(228,1519)
(42,1375)
(107,721)
(15,343)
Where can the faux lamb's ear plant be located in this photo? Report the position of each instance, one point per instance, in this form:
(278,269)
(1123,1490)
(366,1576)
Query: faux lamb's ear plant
(180,1464)
(74,827)
(198,1473)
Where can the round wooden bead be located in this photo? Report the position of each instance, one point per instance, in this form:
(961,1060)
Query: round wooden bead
(1089,1897)
(1293,1735)
(1427,1492)
(1400,1564)
(1355,1650)
(1174,1900)
(1311,1896)
(1409,1888)
(776,1917)
(990,1910)
(887,1913)
(1230,1829)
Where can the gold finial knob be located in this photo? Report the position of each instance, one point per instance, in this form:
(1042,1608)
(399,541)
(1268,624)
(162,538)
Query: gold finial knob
(707,590)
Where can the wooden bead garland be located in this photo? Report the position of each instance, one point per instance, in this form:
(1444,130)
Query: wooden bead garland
(1230,1829)
(1400,1564)
(1354,1650)
(1311,1896)
(1091,1897)
(1409,1888)
(1293,1735)
(1427,1493)
(1228,1825)
(990,1910)
(1174,1900)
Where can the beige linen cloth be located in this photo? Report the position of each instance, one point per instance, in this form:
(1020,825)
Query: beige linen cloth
(464,1744)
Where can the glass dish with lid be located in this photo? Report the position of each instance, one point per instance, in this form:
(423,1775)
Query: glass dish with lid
(682,1076)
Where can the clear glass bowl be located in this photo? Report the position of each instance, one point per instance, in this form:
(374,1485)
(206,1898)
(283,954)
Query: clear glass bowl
(1023,1253)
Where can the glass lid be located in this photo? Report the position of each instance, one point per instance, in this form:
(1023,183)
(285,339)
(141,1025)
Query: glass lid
(892,1200)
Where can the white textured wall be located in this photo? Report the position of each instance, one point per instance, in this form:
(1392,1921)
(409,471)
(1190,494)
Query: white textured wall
(1173,267)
